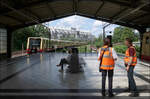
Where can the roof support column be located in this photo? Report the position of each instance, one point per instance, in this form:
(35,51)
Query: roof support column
(141,31)
(9,43)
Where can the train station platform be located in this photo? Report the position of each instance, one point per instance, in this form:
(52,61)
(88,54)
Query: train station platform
(37,76)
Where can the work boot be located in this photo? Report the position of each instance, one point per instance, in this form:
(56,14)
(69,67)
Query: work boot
(103,94)
(127,90)
(134,94)
(61,70)
(58,65)
(110,94)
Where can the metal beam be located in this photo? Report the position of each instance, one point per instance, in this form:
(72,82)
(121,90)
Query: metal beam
(75,6)
(129,5)
(109,21)
(32,14)
(29,5)
(51,10)
(137,18)
(118,13)
(125,15)
(100,7)
(18,12)
(42,21)
(48,1)
(133,3)
(14,18)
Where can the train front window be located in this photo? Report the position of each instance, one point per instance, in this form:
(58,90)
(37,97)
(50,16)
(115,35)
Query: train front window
(35,44)
(147,40)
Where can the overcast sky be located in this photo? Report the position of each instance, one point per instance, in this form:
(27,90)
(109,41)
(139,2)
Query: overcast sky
(81,23)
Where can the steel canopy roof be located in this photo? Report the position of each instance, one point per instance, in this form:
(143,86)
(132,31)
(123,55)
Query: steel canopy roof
(21,13)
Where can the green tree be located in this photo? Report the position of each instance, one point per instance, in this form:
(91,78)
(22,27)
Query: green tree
(120,33)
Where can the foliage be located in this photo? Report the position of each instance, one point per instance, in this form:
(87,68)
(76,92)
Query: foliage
(122,48)
(120,33)
(84,48)
(137,50)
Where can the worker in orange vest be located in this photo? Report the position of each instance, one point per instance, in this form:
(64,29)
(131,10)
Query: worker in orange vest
(107,57)
(130,61)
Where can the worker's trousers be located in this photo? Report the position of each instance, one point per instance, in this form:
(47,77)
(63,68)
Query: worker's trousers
(131,81)
(110,80)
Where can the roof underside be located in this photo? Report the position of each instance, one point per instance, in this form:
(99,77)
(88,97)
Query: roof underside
(21,13)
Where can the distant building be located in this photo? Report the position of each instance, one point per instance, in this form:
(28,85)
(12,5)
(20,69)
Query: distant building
(71,34)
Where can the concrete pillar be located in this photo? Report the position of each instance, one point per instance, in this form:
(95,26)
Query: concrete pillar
(141,31)
(9,43)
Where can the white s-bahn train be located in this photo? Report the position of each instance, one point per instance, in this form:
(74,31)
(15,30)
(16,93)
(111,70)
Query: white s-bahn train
(40,44)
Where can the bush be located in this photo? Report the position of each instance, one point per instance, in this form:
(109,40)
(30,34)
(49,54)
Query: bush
(82,49)
(137,50)
(122,48)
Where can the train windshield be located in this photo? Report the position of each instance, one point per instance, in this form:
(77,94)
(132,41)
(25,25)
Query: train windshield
(34,43)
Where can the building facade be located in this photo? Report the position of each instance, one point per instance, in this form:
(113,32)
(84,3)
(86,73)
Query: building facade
(70,34)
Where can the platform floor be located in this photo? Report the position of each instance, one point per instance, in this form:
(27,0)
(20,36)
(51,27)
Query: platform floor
(38,76)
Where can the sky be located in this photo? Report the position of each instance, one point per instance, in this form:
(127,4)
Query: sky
(82,24)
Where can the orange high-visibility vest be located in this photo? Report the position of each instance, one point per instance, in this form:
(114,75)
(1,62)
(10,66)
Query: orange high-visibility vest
(127,59)
(107,61)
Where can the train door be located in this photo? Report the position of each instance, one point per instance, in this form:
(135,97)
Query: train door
(41,45)
(35,44)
